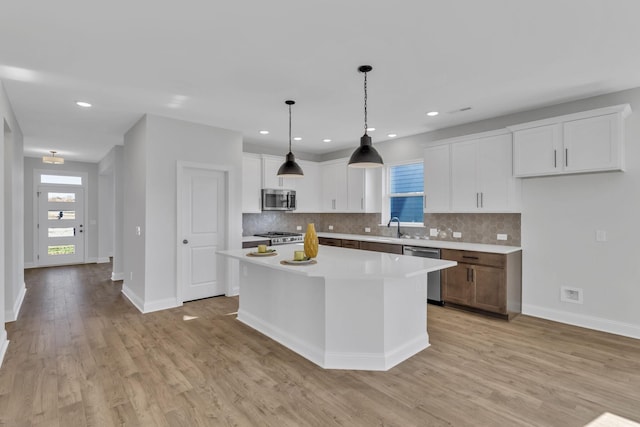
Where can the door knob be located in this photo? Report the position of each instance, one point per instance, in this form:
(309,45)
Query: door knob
(185,241)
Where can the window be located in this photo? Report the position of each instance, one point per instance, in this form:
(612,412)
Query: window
(406,192)
(60,179)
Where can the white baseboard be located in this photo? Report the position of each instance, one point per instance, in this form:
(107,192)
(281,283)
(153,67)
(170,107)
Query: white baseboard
(29,265)
(91,260)
(133,298)
(148,307)
(589,322)
(162,304)
(103,260)
(12,315)
(4,344)
(116,276)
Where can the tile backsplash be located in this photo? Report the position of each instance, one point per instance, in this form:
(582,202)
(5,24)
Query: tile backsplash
(474,227)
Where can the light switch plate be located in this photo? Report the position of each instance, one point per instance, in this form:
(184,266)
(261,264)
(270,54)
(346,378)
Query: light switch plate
(502,237)
(367,229)
(331,227)
(433,232)
(298,227)
(601,236)
(457,234)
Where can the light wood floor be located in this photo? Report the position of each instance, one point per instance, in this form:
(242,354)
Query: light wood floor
(80,354)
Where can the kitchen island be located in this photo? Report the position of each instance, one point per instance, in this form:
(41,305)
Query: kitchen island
(350,310)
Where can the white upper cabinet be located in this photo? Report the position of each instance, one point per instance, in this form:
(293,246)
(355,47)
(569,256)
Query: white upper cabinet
(334,186)
(346,189)
(437,179)
(270,166)
(482,175)
(251,183)
(590,141)
(473,173)
(308,188)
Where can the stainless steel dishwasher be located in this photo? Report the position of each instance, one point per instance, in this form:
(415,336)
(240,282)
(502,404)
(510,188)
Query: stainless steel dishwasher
(434,295)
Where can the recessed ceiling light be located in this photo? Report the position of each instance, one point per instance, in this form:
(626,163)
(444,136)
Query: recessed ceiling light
(432,113)
(83,104)
(392,135)
(326,140)
(297,138)
(370,129)
(264,132)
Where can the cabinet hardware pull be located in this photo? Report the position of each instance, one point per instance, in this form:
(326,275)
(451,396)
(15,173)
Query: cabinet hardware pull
(477,200)
(555,158)
(472,274)
(470,257)
(482,200)
(566,157)
(468,274)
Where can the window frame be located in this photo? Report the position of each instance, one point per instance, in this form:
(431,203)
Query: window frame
(386,193)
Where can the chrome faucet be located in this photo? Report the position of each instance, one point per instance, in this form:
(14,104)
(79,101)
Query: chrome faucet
(395,218)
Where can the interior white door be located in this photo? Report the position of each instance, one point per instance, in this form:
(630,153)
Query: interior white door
(61,226)
(203,227)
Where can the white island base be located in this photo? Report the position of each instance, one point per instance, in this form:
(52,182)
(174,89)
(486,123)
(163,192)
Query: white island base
(370,324)
(352,310)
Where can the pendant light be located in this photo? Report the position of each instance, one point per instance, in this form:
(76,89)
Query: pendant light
(52,159)
(290,169)
(365,155)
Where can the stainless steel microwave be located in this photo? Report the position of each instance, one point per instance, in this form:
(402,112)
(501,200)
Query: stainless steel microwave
(278,200)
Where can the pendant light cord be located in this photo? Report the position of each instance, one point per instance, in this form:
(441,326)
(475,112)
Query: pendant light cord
(365,104)
(290,128)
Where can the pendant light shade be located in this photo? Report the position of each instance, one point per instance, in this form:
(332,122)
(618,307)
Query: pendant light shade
(365,155)
(52,159)
(290,169)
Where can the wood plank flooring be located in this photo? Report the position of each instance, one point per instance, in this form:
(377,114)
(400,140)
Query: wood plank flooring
(81,355)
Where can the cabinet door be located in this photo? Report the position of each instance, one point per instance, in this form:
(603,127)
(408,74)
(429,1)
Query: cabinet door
(465,196)
(537,151)
(355,189)
(270,166)
(497,186)
(437,179)
(457,286)
(334,186)
(251,184)
(308,188)
(490,289)
(592,144)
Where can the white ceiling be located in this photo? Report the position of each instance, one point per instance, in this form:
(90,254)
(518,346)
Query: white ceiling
(233,64)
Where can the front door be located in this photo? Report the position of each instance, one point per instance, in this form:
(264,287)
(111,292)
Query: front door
(202,204)
(61,226)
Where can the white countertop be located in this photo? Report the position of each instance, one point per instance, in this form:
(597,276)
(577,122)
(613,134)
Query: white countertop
(480,247)
(334,262)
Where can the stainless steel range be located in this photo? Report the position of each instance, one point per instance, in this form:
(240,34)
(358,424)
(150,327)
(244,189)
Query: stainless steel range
(282,237)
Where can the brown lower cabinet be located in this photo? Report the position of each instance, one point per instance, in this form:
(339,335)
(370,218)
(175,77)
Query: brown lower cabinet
(330,241)
(255,243)
(484,281)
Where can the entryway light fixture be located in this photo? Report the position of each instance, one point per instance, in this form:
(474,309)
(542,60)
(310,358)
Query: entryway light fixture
(52,159)
(365,155)
(290,169)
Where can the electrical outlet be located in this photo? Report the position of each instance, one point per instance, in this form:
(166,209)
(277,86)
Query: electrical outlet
(367,229)
(298,227)
(569,294)
(601,236)
(501,236)
(331,227)
(457,234)
(138,230)
(433,232)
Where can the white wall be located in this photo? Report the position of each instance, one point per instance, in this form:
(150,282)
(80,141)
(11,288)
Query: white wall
(134,215)
(559,218)
(91,217)
(11,148)
(152,149)
(111,169)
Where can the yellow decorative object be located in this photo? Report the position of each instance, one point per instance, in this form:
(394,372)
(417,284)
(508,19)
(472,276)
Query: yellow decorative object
(311,242)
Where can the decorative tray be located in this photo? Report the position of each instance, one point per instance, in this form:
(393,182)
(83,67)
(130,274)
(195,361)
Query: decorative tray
(269,252)
(294,262)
